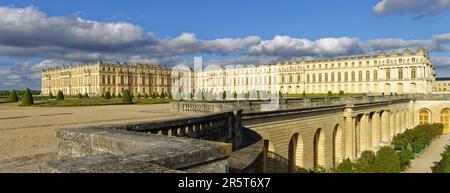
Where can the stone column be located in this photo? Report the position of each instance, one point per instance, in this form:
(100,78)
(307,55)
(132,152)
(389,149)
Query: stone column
(391,125)
(362,142)
(349,137)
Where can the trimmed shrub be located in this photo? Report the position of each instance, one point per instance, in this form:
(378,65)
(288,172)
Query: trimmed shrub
(13,96)
(107,95)
(79,96)
(365,162)
(103,95)
(386,161)
(345,166)
(127,97)
(119,95)
(60,96)
(405,155)
(27,98)
(138,95)
(153,95)
(444,165)
(51,95)
(400,142)
(163,95)
(145,95)
(330,93)
(418,145)
(113,95)
(86,95)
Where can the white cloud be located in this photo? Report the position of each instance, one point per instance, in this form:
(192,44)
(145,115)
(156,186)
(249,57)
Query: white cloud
(420,8)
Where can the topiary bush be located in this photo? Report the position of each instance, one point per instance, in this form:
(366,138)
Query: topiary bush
(345,166)
(60,96)
(329,94)
(13,96)
(444,165)
(107,95)
(365,162)
(86,95)
(126,98)
(119,95)
(145,95)
(51,95)
(405,156)
(79,96)
(113,95)
(386,161)
(27,98)
(138,95)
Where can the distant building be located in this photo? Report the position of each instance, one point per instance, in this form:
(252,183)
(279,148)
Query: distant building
(441,85)
(98,78)
(388,73)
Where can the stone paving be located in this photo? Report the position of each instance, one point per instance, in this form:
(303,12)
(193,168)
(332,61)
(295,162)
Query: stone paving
(30,131)
(431,155)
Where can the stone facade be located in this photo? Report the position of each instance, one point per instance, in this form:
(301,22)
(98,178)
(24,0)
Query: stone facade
(441,85)
(98,78)
(401,73)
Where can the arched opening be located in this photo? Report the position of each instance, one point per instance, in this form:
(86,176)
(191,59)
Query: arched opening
(400,88)
(319,148)
(387,88)
(445,119)
(292,153)
(337,146)
(413,88)
(424,116)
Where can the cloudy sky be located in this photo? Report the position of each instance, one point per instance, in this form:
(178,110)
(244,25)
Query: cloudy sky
(41,34)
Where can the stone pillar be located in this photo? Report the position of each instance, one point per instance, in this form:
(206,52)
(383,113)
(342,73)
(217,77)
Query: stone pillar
(349,137)
(362,142)
(391,125)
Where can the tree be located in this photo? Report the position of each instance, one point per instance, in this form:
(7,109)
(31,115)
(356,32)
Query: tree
(103,95)
(169,95)
(304,94)
(86,95)
(138,95)
(330,93)
(27,98)
(13,96)
(127,97)
(145,95)
(405,155)
(387,161)
(60,96)
(341,93)
(224,95)
(163,95)
(365,162)
(235,95)
(153,95)
(51,95)
(113,95)
(79,96)
(119,95)
(107,95)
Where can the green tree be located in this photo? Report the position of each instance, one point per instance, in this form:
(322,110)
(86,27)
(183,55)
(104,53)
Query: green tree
(103,95)
(330,93)
(235,95)
(107,95)
(387,161)
(405,155)
(127,97)
(444,165)
(27,98)
(138,95)
(119,95)
(153,95)
(79,96)
(60,96)
(224,95)
(113,95)
(51,95)
(365,162)
(86,95)
(145,95)
(163,95)
(13,96)
(304,94)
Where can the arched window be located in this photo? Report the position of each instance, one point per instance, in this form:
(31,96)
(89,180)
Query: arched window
(367,75)
(444,119)
(353,76)
(413,73)
(375,75)
(326,77)
(360,75)
(388,74)
(424,117)
(400,73)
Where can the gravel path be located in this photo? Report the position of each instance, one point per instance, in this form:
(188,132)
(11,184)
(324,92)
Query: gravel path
(431,155)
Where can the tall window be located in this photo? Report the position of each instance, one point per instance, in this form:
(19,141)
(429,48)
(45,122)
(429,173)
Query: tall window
(314,78)
(360,76)
(339,77)
(424,117)
(388,74)
(320,77)
(308,79)
(444,119)
(332,77)
(367,75)
(375,75)
(346,77)
(353,75)
(400,73)
(326,77)
(413,73)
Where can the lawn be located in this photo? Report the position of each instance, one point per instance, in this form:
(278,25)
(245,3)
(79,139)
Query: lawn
(95,101)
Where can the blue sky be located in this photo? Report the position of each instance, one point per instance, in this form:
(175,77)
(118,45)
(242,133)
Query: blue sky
(40,34)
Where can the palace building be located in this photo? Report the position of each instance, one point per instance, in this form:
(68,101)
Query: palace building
(97,78)
(389,73)
(406,72)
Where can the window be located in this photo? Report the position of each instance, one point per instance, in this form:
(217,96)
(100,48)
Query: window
(375,75)
(367,75)
(326,77)
(400,73)
(413,73)
(353,75)
(308,80)
(346,77)
(388,74)
(320,77)
(360,75)
(424,117)
(332,77)
(339,77)
(314,78)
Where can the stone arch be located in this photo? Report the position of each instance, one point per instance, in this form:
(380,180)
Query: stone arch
(424,116)
(445,114)
(296,153)
(399,88)
(387,88)
(338,145)
(319,148)
(413,87)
